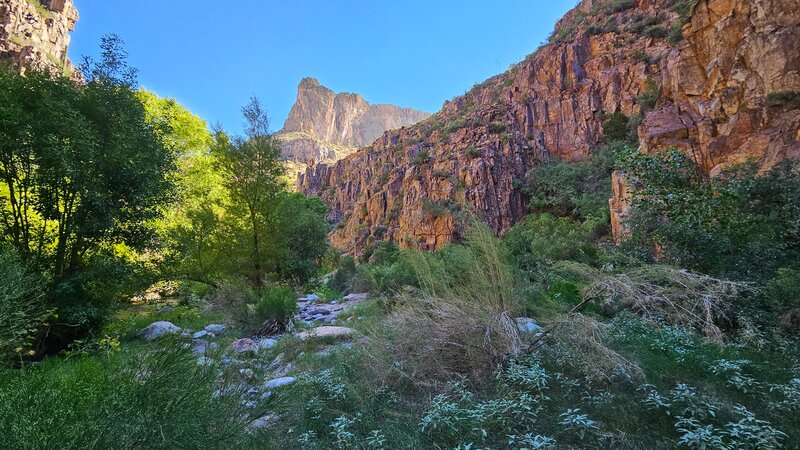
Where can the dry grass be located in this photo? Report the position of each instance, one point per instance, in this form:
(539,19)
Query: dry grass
(577,341)
(671,296)
(461,321)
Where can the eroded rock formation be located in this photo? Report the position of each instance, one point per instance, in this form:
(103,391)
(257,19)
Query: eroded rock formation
(324,126)
(35,33)
(716,84)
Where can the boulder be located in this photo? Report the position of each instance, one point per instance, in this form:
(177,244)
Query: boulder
(278,382)
(265,343)
(354,297)
(327,332)
(215,328)
(312,297)
(157,330)
(244,345)
(200,334)
(199,346)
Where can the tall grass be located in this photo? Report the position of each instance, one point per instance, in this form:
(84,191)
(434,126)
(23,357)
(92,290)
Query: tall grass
(150,398)
(461,322)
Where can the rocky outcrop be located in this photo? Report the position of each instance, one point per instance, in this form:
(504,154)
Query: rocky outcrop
(35,33)
(324,126)
(707,92)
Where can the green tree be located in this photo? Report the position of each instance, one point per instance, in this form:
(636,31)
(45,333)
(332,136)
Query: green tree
(253,176)
(82,170)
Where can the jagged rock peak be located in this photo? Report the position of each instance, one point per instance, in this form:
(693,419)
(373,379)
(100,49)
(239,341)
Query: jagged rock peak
(344,118)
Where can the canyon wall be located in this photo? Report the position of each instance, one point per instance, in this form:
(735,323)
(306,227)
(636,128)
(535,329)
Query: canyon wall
(35,33)
(721,76)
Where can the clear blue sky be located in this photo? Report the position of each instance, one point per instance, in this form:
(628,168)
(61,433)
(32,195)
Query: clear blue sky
(213,55)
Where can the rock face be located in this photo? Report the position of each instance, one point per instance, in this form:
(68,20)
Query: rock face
(324,126)
(713,87)
(35,33)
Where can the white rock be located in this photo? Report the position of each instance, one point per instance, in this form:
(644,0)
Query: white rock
(278,382)
(527,325)
(200,334)
(321,332)
(157,330)
(265,343)
(354,297)
(204,361)
(215,328)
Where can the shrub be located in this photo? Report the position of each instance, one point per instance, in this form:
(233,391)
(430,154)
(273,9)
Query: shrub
(421,158)
(342,278)
(578,190)
(496,128)
(616,127)
(541,239)
(788,98)
(276,305)
(663,295)
(22,306)
(649,97)
(737,225)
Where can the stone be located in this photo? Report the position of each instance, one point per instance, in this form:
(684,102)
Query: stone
(354,297)
(265,343)
(158,330)
(312,297)
(326,126)
(204,361)
(199,334)
(215,329)
(247,373)
(199,346)
(278,382)
(319,311)
(527,325)
(244,345)
(327,332)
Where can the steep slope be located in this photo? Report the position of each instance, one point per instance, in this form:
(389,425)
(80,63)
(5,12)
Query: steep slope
(35,33)
(708,74)
(324,126)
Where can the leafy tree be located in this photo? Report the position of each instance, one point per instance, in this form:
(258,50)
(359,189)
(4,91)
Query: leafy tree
(82,171)
(253,176)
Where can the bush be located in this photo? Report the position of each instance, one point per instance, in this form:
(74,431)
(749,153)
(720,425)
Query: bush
(783,291)
(578,190)
(781,98)
(462,321)
(541,239)
(342,278)
(22,306)
(649,97)
(276,305)
(737,225)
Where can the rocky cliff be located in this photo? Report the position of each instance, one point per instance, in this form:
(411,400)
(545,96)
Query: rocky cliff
(35,33)
(717,78)
(324,126)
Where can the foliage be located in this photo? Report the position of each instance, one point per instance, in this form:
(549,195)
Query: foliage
(790,99)
(22,306)
(276,305)
(83,173)
(648,98)
(718,226)
(579,190)
(540,240)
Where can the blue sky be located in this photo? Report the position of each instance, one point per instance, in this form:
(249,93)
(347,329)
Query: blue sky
(213,55)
